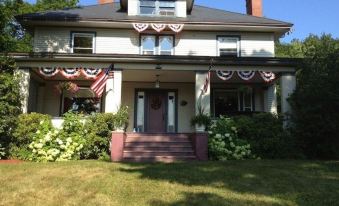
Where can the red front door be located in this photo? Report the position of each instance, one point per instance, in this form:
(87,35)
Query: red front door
(156,105)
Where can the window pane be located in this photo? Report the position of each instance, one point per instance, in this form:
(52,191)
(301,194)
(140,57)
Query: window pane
(148,44)
(225,102)
(83,41)
(166,4)
(166,45)
(228,46)
(147,3)
(147,10)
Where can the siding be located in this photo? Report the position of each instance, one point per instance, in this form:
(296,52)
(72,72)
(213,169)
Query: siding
(122,41)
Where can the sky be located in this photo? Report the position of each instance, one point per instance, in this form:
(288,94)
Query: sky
(308,16)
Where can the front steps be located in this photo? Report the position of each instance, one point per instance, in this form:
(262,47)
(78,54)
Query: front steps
(151,147)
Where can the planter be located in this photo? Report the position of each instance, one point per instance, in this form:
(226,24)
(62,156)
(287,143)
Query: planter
(200,128)
(120,129)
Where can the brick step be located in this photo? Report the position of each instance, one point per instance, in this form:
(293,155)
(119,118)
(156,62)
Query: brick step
(157,153)
(157,149)
(157,139)
(134,134)
(167,159)
(158,144)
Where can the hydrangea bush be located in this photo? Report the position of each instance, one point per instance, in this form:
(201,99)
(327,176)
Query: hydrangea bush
(2,152)
(51,144)
(224,143)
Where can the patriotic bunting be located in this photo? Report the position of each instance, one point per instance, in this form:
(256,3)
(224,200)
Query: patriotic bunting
(224,75)
(90,73)
(176,27)
(246,75)
(267,76)
(158,27)
(70,73)
(140,27)
(48,71)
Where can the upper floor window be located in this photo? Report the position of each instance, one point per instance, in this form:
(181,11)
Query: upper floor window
(228,46)
(83,43)
(157,7)
(157,45)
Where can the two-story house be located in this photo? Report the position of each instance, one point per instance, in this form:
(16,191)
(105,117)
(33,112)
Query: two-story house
(169,58)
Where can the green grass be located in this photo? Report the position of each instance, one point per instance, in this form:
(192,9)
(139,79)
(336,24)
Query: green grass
(208,183)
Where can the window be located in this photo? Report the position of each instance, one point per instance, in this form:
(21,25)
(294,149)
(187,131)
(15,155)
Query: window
(83,102)
(157,45)
(157,7)
(231,102)
(228,46)
(83,43)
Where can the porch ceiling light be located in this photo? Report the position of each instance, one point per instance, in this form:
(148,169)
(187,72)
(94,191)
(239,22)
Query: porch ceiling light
(157,82)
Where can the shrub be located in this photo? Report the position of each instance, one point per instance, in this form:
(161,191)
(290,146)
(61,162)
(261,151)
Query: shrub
(265,133)
(23,135)
(2,152)
(99,129)
(121,118)
(224,143)
(50,144)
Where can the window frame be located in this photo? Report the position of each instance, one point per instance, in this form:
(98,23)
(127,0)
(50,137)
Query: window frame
(157,9)
(157,50)
(238,37)
(87,33)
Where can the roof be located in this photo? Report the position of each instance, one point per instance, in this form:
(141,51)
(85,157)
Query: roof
(112,12)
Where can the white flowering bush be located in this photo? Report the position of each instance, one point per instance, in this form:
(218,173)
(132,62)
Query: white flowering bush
(224,143)
(2,152)
(50,144)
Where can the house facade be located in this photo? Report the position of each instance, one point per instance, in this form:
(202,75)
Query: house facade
(169,58)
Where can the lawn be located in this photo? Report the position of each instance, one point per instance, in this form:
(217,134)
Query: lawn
(199,183)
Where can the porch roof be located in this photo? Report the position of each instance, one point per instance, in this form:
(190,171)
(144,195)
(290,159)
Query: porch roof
(273,62)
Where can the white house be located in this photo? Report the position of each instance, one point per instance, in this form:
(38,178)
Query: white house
(162,52)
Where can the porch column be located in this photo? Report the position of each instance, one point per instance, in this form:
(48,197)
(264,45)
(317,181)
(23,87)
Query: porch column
(24,76)
(113,92)
(271,99)
(202,98)
(288,84)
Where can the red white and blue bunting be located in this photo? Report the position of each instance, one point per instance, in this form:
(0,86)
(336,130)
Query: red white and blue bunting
(48,71)
(140,27)
(70,72)
(267,76)
(224,75)
(245,75)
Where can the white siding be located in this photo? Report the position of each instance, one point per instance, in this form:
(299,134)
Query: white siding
(124,41)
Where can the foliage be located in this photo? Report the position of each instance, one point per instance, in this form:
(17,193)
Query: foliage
(315,102)
(54,145)
(224,144)
(99,129)
(10,104)
(265,133)
(201,119)
(2,152)
(121,118)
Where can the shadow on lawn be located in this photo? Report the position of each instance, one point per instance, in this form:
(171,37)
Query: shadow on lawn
(300,182)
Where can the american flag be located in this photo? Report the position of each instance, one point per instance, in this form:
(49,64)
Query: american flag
(207,82)
(98,86)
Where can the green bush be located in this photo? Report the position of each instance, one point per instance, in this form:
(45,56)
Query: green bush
(265,133)
(99,129)
(2,152)
(224,144)
(24,133)
(50,144)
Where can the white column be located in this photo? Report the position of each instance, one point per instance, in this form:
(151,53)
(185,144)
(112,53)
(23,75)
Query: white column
(271,99)
(288,84)
(202,98)
(24,78)
(113,93)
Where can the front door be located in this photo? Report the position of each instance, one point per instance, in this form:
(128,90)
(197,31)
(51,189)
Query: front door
(156,112)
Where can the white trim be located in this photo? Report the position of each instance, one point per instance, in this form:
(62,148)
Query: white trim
(87,35)
(229,37)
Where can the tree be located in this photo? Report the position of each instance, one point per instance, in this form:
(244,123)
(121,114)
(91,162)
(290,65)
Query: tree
(315,103)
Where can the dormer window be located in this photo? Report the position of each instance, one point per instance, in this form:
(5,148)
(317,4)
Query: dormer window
(157,7)
(228,46)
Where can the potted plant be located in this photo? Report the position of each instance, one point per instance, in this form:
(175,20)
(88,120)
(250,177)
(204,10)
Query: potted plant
(201,120)
(121,119)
